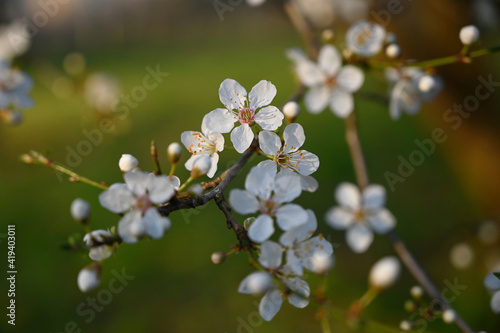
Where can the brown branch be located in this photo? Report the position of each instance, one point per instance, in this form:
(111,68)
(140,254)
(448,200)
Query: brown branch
(403,252)
(303,27)
(240,232)
(225,179)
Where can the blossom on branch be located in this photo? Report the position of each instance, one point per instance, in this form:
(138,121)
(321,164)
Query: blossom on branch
(136,199)
(268,194)
(205,142)
(15,86)
(365,38)
(329,83)
(247,109)
(99,252)
(360,213)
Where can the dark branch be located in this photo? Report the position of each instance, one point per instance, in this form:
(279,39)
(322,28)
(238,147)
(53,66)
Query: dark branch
(240,232)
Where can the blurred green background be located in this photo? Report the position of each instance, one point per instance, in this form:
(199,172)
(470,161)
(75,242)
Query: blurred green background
(175,287)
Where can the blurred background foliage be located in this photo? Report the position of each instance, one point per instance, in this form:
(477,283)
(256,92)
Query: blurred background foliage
(176,288)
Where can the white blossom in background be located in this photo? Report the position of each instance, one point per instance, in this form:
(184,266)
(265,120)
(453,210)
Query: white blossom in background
(410,88)
(271,258)
(302,251)
(268,194)
(14,40)
(288,155)
(255,3)
(492,283)
(15,86)
(99,252)
(329,83)
(360,214)
(205,142)
(365,38)
(89,277)
(102,92)
(247,109)
(135,199)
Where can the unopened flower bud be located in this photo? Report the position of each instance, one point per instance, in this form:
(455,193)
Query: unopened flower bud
(291,111)
(426,83)
(201,166)
(195,190)
(80,210)
(416,292)
(128,163)
(385,272)
(89,277)
(26,158)
(321,262)
(218,257)
(174,151)
(393,51)
(256,283)
(469,34)
(449,316)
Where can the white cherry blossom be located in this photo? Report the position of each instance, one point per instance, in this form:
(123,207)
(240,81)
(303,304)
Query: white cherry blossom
(365,38)
(247,109)
(360,213)
(329,83)
(411,87)
(135,199)
(302,250)
(205,142)
(288,156)
(269,195)
(271,258)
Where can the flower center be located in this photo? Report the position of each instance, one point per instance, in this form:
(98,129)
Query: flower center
(268,207)
(143,203)
(360,215)
(331,81)
(282,158)
(246,115)
(289,160)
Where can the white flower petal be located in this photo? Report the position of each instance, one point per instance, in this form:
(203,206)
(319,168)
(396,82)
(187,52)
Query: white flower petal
(160,188)
(286,187)
(242,137)
(341,103)
(294,137)
(101,252)
(316,98)
(350,78)
(293,263)
(290,216)
(262,94)
(129,226)
(190,140)
(271,254)
(308,162)
(136,181)
(491,282)
(154,223)
(220,121)
(312,247)
(269,142)
(117,199)
(270,304)
(308,183)
(373,197)
(261,229)
(214,159)
(217,139)
(495,302)
(339,218)
(260,182)
(329,60)
(382,221)
(301,289)
(270,165)
(243,202)
(347,195)
(309,73)
(269,118)
(300,233)
(189,163)
(255,283)
(232,95)
(359,237)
